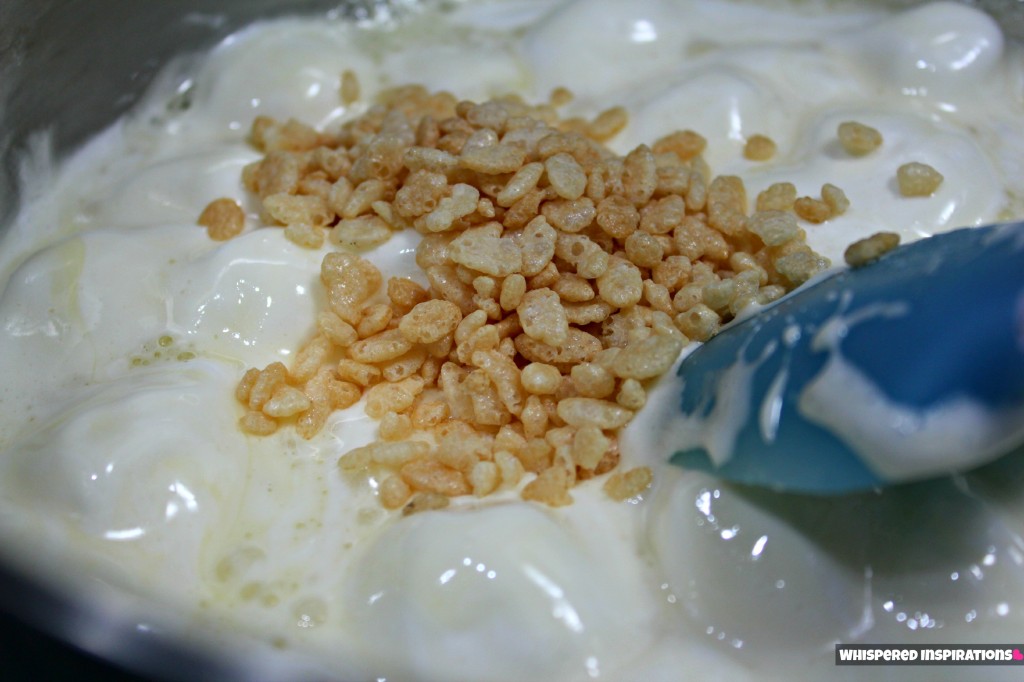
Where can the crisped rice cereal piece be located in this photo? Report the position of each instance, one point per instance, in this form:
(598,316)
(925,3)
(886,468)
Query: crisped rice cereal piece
(428,475)
(469,325)
(433,160)
(420,193)
(727,204)
(617,216)
(520,184)
(430,321)
(290,136)
(672,273)
(223,219)
(490,255)
(358,372)
(800,266)
(661,216)
(513,288)
(244,387)
(537,455)
(524,209)
(272,376)
(699,322)
(639,175)
(696,193)
(309,358)
(257,423)
(289,209)
(361,233)
(405,365)
(510,469)
(540,379)
(444,281)
(644,250)
(543,317)
(858,139)
(429,409)
(864,251)
(624,485)
(364,196)
(657,296)
(484,478)
(608,123)
(386,345)
(505,377)
(918,179)
(685,144)
(485,287)
(306,236)
(494,159)
(350,282)
(572,288)
(277,173)
(759,148)
(560,96)
(579,346)
(835,198)
(487,405)
(621,284)
(631,395)
(648,358)
(312,420)
(537,246)
(551,487)
(580,412)
(394,492)
(592,380)
(718,294)
(566,176)
(395,427)
(390,455)
(493,115)
(392,397)
(812,210)
(375,319)
(425,501)
(462,201)
(589,446)
(570,216)
(777,197)
(773,227)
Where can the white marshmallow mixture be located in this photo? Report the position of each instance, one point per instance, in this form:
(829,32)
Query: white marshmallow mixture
(125,330)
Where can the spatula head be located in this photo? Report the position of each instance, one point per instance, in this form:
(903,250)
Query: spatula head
(904,369)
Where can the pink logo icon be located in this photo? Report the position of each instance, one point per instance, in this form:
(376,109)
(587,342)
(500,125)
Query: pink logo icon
(1017,655)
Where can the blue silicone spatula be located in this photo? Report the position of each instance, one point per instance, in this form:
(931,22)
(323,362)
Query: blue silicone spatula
(908,368)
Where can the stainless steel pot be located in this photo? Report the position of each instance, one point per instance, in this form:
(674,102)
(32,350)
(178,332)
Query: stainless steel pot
(73,67)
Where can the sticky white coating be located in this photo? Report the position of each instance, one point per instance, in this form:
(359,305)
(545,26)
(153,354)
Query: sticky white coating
(123,330)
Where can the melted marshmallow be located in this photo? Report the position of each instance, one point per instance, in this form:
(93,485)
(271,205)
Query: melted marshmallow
(123,330)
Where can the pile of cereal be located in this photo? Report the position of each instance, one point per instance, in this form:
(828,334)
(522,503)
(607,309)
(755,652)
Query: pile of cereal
(562,280)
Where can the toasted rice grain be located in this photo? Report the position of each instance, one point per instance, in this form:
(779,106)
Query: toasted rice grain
(624,485)
(223,219)
(759,148)
(918,179)
(858,139)
(864,251)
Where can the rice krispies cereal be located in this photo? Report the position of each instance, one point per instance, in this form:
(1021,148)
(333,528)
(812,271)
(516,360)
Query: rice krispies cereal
(563,279)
